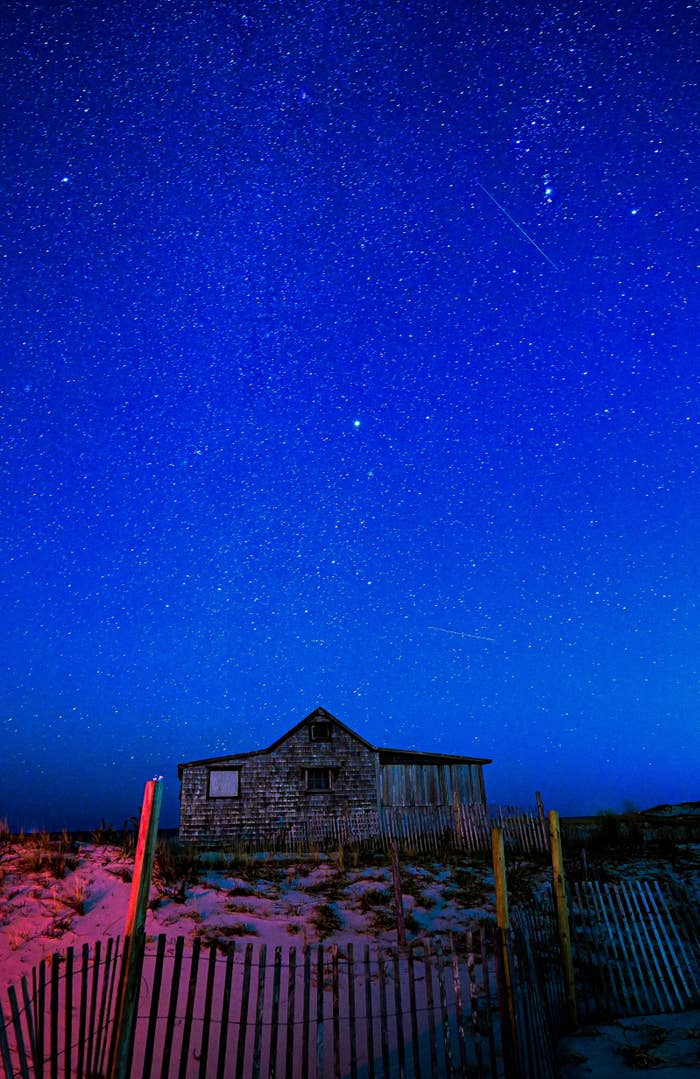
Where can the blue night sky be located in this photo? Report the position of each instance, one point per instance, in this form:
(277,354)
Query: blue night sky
(348,358)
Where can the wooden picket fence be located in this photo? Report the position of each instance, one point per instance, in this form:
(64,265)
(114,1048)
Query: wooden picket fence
(637,948)
(414,829)
(241,1009)
(59,1020)
(430,1009)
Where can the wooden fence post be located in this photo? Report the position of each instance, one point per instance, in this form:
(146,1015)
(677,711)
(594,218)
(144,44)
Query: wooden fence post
(540,809)
(562,912)
(506,1001)
(459,840)
(134,932)
(398,894)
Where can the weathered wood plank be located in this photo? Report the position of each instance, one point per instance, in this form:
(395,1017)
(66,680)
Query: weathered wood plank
(19,1038)
(274,1021)
(172,1007)
(225,1009)
(5,1048)
(151,1032)
(352,1023)
(368,1013)
(291,1005)
(208,1005)
(68,1016)
(243,1013)
(259,1012)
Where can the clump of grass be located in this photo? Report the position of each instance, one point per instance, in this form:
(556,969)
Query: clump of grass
(326,920)
(34,860)
(572,1058)
(129,836)
(656,1035)
(219,935)
(242,889)
(249,868)
(330,886)
(76,898)
(104,835)
(640,1057)
(16,938)
(383,919)
(58,863)
(239,908)
(520,881)
(174,869)
(375,897)
(59,925)
(240,929)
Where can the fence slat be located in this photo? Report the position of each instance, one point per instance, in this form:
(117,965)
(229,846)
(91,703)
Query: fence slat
(40,997)
(19,1039)
(442,997)
(368,1013)
(383,1021)
(82,1009)
(274,1024)
(208,1004)
(104,1012)
(55,959)
(225,1009)
(306,1016)
(28,1011)
(259,1013)
(459,1010)
(398,1008)
(189,1008)
(153,1013)
(243,1014)
(5,1048)
(172,1007)
(291,1004)
(90,1063)
(68,1015)
(428,973)
(335,1012)
(319,1010)
(415,1041)
(352,1025)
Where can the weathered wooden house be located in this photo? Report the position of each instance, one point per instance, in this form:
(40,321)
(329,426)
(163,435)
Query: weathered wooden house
(319,766)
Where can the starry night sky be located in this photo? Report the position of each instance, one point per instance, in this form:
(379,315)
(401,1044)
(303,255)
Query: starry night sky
(348,358)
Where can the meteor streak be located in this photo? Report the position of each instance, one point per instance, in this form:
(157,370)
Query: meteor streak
(518,227)
(458,633)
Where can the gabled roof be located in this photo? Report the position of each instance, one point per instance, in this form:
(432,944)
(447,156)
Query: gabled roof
(386,756)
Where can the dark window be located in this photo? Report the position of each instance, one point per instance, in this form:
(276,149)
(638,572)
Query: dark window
(224,783)
(320,731)
(318,779)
